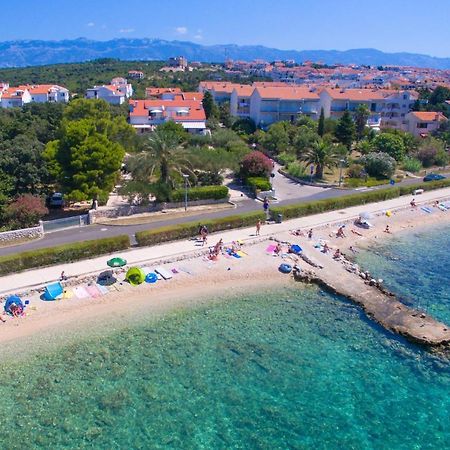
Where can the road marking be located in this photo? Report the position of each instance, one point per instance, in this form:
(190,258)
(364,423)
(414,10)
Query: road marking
(103,229)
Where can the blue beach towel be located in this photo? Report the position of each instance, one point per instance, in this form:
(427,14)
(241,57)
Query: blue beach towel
(426,209)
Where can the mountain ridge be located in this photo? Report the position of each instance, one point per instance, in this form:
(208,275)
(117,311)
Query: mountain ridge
(22,53)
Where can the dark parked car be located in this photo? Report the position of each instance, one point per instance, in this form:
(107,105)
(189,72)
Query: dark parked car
(433,177)
(56,200)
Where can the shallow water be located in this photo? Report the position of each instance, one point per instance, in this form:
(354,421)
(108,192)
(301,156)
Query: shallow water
(295,368)
(416,267)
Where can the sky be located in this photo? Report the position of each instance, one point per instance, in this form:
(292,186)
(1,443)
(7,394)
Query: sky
(414,26)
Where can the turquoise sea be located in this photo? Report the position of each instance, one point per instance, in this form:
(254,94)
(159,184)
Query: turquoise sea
(290,368)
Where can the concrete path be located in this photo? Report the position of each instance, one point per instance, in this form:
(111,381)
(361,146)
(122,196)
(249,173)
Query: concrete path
(172,250)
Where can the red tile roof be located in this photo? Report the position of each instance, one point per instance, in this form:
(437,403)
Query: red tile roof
(287,93)
(429,116)
(140,108)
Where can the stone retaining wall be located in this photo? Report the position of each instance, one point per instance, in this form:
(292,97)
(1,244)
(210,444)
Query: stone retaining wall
(125,211)
(20,235)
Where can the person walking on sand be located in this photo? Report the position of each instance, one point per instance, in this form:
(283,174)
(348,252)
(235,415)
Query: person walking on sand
(204,235)
(310,234)
(258,227)
(387,229)
(413,203)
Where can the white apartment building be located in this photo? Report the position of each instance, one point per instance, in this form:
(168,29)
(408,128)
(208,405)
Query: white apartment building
(240,100)
(115,93)
(270,104)
(16,97)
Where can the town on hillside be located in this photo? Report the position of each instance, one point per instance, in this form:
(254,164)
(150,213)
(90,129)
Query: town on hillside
(339,126)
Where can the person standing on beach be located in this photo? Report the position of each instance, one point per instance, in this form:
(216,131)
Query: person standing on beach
(258,227)
(310,234)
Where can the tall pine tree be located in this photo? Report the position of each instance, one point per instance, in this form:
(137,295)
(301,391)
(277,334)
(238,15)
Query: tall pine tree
(346,130)
(321,125)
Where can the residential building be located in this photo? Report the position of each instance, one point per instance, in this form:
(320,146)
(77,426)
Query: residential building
(388,108)
(240,100)
(136,74)
(178,61)
(16,97)
(220,90)
(43,93)
(114,93)
(145,115)
(422,123)
(273,104)
(162,93)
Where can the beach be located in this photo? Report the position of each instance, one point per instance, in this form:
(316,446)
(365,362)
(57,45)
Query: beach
(197,279)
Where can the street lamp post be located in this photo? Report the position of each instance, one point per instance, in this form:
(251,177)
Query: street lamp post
(341,162)
(185,191)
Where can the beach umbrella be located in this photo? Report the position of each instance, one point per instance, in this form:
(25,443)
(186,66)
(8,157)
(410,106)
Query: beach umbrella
(296,249)
(366,215)
(106,278)
(116,262)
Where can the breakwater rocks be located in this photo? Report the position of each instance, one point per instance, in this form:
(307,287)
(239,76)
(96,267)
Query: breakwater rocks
(379,304)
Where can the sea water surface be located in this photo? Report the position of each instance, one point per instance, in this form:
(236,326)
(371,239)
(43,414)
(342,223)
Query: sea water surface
(415,265)
(290,368)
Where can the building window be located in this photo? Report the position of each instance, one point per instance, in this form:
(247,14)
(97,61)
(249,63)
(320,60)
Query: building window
(422,125)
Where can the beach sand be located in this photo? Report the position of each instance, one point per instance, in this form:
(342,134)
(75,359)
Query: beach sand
(52,321)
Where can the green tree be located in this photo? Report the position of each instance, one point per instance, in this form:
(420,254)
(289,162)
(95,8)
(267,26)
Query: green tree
(321,124)
(362,114)
(224,115)
(26,211)
(278,138)
(171,127)
(439,95)
(209,105)
(22,158)
(391,144)
(87,157)
(163,162)
(345,130)
(244,126)
(322,154)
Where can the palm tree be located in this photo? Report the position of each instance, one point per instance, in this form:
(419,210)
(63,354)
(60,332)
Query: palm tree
(163,160)
(322,154)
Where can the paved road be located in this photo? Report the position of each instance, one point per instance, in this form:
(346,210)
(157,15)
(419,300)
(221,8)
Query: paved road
(102,231)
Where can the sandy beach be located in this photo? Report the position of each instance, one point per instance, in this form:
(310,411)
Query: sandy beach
(197,279)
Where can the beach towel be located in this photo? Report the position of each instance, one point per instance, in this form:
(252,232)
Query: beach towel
(166,274)
(241,253)
(103,289)
(93,291)
(80,292)
(271,248)
(185,270)
(426,209)
(67,294)
(235,255)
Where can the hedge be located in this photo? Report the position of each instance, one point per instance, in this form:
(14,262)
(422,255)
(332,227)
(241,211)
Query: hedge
(190,229)
(201,193)
(62,254)
(260,183)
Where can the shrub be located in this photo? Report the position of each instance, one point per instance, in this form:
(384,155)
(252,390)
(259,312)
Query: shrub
(62,254)
(189,229)
(442,157)
(26,211)
(256,164)
(296,169)
(355,171)
(411,164)
(244,126)
(429,150)
(201,193)
(285,158)
(356,182)
(379,164)
(258,183)
(209,178)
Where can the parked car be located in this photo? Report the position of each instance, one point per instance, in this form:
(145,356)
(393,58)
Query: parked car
(433,177)
(56,200)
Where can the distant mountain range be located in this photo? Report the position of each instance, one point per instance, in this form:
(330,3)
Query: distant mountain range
(34,53)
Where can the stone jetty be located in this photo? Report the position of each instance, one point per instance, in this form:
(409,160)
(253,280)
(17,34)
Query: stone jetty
(343,278)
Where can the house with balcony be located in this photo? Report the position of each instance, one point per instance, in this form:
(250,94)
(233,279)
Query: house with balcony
(136,74)
(422,123)
(52,93)
(220,90)
(388,108)
(270,104)
(146,115)
(240,100)
(115,93)
(15,97)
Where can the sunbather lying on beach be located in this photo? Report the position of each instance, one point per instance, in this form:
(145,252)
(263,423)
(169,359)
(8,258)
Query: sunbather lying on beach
(16,310)
(356,232)
(340,232)
(297,232)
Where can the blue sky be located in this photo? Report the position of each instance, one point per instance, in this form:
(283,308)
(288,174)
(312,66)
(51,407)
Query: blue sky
(390,25)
